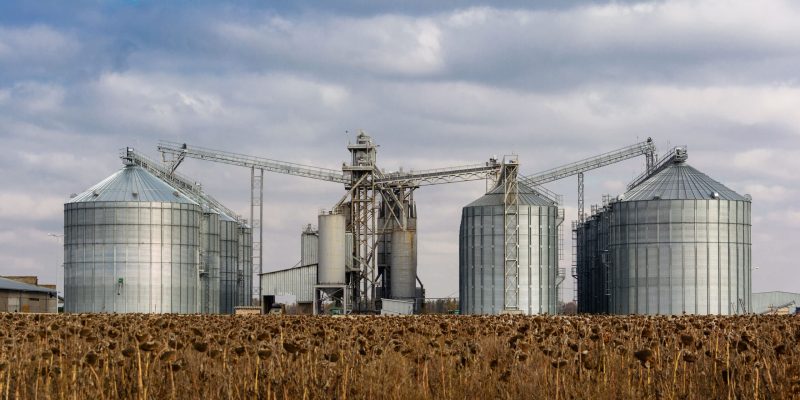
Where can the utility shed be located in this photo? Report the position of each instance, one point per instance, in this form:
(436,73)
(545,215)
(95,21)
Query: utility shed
(23,297)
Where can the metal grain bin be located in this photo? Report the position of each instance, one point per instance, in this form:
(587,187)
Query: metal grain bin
(309,246)
(131,244)
(592,263)
(481,258)
(230,280)
(397,250)
(246,265)
(210,271)
(680,243)
(332,249)
(403,264)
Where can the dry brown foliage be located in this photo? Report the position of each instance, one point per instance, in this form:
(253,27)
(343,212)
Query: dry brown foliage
(421,357)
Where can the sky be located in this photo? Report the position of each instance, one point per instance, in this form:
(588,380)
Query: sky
(436,84)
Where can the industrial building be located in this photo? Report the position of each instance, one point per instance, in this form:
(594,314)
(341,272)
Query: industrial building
(24,294)
(677,242)
(134,243)
(365,248)
(297,281)
(779,303)
(147,239)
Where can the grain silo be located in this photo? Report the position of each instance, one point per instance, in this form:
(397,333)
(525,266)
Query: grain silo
(679,243)
(246,265)
(309,246)
(230,279)
(210,272)
(592,238)
(131,244)
(332,249)
(481,257)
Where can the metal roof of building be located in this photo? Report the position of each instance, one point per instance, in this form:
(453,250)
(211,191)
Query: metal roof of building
(680,181)
(132,183)
(761,302)
(527,197)
(10,284)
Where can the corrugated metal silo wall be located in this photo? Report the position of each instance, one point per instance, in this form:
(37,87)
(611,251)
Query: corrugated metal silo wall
(681,256)
(209,246)
(309,246)
(592,263)
(126,257)
(245,295)
(592,252)
(384,245)
(229,262)
(481,260)
(403,262)
(582,255)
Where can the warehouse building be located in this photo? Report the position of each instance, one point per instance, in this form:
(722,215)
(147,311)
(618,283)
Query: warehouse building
(23,294)
(780,303)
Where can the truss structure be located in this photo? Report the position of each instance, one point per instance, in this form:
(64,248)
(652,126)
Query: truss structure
(367,188)
(511,234)
(646,148)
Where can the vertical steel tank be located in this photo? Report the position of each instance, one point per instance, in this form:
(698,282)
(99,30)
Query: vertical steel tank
(229,264)
(331,269)
(592,263)
(680,243)
(403,258)
(481,258)
(210,274)
(131,245)
(245,265)
(309,246)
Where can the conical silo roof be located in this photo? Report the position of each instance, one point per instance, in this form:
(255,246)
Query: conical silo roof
(527,196)
(680,181)
(132,183)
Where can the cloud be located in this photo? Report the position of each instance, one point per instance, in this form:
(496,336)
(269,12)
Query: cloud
(35,44)
(22,207)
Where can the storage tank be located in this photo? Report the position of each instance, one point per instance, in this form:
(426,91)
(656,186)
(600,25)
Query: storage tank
(680,243)
(331,269)
(229,264)
(592,263)
(403,264)
(397,250)
(210,275)
(309,246)
(131,245)
(245,265)
(481,258)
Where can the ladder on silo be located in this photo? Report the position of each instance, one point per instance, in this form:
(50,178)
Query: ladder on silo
(511,236)
(574,271)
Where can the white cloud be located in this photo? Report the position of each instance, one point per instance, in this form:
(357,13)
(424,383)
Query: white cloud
(384,44)
(36,43)
(31,207)
(770,193)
